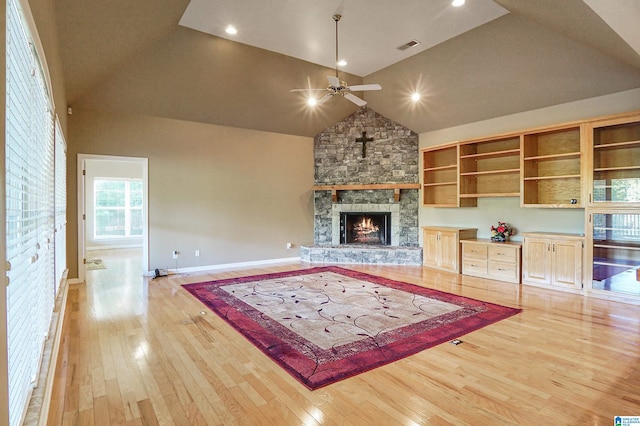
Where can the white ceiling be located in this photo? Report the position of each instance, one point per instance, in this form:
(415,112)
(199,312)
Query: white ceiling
(622,18)
(370,32)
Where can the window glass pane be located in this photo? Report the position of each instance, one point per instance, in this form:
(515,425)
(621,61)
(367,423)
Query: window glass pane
(136,222)
(136,193)
(110,222)
(626,190)
(621,190)
(109,193)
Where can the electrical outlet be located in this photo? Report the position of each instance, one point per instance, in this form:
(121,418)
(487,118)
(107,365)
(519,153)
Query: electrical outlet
(175,254)
(197,253)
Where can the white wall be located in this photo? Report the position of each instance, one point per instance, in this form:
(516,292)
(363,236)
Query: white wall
(107,169)
(490,210)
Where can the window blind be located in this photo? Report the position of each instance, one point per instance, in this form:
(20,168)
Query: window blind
(30,223)
(60,182)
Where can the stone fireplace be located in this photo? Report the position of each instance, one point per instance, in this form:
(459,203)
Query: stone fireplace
(383,182)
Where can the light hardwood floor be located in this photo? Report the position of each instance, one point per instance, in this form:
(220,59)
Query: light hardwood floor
(138,351)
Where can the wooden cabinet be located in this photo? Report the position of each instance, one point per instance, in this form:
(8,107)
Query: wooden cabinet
(490,168)
(570,165)
(552,168)
(441,246)
(487,259)
(552,260)
(615,161)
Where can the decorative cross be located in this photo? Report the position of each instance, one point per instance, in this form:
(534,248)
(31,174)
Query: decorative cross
(364,139)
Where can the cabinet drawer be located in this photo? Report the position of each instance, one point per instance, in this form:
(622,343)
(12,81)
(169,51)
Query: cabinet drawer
(474,267)
(503,253)
(474,251)
(503,270)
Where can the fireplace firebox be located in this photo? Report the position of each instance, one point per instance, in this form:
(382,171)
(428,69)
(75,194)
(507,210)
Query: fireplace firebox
(371,228)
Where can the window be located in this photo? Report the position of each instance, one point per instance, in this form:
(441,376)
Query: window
(118,208)
(34,176)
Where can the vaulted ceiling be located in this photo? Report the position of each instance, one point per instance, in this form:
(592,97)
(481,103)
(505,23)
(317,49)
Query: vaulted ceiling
(515,55)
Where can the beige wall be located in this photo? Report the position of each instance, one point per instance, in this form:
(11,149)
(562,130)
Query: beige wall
(490,210)
(44,19)
(236,195)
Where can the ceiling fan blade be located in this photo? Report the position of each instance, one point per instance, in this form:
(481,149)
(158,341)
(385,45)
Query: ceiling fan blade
(307,90)
(363,87)
(356,100)
(324,98)
(333,81)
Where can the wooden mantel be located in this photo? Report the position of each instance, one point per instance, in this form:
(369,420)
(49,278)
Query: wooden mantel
(364,187)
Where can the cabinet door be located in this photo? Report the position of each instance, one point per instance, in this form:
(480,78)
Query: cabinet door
(449,250)
(430,249)
(615,168)
(567,263)
(536,260)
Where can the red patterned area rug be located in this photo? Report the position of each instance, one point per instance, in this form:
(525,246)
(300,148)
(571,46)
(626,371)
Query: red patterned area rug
(325,324)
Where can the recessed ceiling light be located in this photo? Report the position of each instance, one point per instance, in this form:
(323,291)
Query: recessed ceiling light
(231,30)
(457,3)
(415,96)
(342,63)
(312,101)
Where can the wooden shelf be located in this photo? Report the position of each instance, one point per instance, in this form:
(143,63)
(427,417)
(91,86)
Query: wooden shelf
(490,172)
(440,184)
(617,246)
(484,164)
(613,169)
(552,168)
(364,187)
(617,145)
(553,157)
(440,168)
(492,194)
(493,154)
(440,177)
(552,177)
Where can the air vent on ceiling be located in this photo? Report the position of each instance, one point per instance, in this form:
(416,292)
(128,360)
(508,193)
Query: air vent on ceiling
(409,45)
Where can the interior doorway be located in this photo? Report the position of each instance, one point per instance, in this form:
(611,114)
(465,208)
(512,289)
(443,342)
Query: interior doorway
(113,208)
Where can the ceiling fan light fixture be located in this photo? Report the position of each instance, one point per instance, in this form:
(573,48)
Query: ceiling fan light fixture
(337,87)
(231,30)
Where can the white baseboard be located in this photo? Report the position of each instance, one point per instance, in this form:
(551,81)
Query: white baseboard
(254,263)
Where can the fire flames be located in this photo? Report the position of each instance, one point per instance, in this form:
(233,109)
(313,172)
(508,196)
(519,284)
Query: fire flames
(366,226)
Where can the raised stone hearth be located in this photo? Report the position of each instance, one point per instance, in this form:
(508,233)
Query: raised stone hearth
(390,161)
(362,254)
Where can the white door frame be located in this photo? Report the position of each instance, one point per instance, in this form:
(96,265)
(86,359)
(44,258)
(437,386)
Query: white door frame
(81,208)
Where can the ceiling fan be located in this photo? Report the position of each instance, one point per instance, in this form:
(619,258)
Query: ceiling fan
(337,87)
